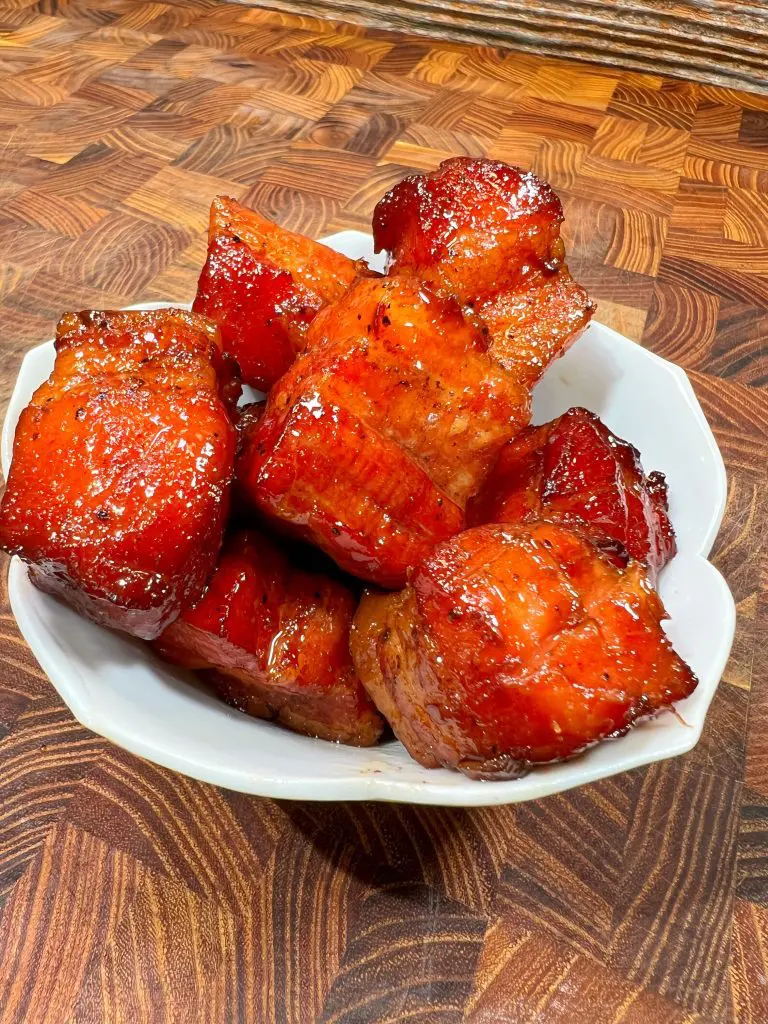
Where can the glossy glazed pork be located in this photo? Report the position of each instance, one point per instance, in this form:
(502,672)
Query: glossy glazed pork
(575,471)
(122,462)
(515,645)
(263,285)
(372,442)
(274,641)
(488,235)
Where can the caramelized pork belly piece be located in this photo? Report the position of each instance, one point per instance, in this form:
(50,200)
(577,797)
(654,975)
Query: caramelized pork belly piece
(574,471)
(372,442)
(514,645)
(274,641)
(263,285)
(471,228)
(530,328)
(488,235)
(122,463)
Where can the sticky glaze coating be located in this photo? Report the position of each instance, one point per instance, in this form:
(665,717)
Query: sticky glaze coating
(274,642)
(488,235)
(575,471)
(263,286)
(515,645)
(372,442)
(122,463)
(528,329)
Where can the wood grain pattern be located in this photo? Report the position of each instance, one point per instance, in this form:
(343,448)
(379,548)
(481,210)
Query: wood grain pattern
(129,894)
(719,42)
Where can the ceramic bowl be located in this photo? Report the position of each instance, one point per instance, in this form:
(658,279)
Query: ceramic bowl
(116,687)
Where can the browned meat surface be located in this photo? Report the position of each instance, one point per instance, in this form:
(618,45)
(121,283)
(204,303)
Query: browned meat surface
(488,235)
(274,642)
(515,645)
(263,285)
(575,471)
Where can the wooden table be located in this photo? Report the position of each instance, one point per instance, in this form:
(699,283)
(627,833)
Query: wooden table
(131,894)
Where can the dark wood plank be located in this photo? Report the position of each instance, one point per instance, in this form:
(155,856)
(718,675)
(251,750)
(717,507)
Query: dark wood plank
(720,43)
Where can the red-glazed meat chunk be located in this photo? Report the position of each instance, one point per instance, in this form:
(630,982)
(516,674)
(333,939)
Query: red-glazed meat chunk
(122,463)
(488,235)
(470,228)
(372,442)
(274,641)
(516,645)
(263,285)
(574,471)
(529,329)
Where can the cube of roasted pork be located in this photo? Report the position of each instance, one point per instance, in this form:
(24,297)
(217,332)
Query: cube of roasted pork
(516,645)
(263,285)
(372,442)
(122,463)
(488,235)
(575,471)
(528,329)
(274,641)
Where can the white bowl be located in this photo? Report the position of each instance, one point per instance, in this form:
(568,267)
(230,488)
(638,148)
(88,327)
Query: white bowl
(117,688)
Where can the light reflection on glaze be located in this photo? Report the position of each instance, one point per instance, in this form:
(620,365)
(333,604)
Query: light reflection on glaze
(263,285)
(573,470)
